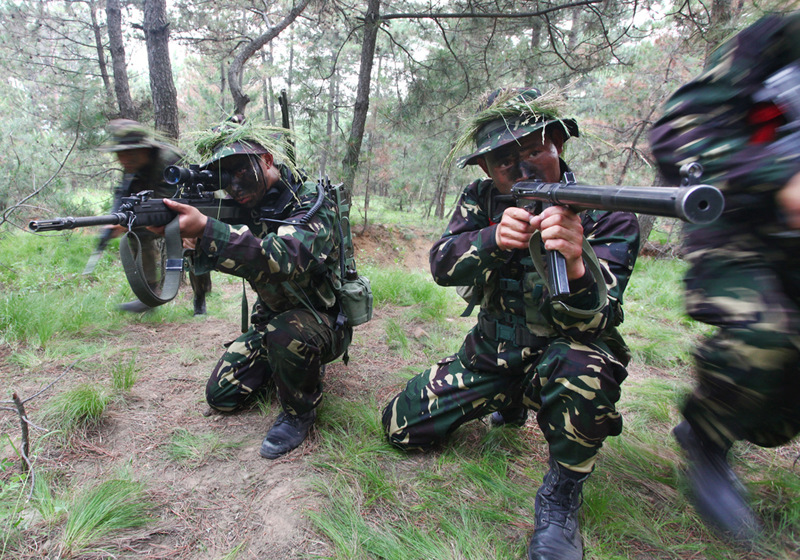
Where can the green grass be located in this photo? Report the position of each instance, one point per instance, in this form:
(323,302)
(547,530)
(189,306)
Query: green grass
(385,211)
(656,327)
(76,408)
(124,373)
(111,506)
(192,450)
(52,301)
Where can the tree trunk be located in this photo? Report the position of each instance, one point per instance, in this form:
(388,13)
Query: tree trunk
(236,69)
(162,86)
(361,108)
(222,85)
(329,116)
(101,55)
(127,110)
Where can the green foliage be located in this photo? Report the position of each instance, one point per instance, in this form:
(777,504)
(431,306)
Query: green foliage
(113,505)
(192,449)
(76,408)
(405,288)
(124,374)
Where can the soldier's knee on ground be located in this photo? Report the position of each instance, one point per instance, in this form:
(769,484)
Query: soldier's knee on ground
(405,437)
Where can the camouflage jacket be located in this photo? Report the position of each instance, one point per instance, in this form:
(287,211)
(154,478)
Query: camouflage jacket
(150,177)
(282,262)
(720,120)
(512,291)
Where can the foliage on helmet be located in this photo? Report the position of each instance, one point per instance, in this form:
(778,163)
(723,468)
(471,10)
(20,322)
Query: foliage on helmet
(238,136)
(512,106)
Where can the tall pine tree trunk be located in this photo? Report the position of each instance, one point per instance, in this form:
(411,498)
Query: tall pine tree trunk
(361,108)
(162,86)
(127,110)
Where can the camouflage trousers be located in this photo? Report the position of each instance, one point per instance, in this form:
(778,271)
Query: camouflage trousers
(287,351)
(748,372)
(573,388)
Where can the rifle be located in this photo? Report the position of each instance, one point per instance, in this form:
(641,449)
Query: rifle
(694,203)
(193,187)
(106,235)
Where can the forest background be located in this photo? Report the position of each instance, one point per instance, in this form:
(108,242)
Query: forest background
(377,90)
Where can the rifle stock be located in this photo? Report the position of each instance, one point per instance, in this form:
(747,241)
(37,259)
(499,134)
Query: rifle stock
(699,204)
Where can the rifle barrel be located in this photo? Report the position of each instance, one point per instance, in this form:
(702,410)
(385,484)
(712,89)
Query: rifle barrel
(698,204)
(59,224)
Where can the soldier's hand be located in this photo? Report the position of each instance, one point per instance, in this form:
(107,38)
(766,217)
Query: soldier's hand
(515,229)
(191,221)
(789,200)
(562,231)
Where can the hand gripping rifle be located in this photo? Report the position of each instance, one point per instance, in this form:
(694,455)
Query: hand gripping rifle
(193,187)
(694,203)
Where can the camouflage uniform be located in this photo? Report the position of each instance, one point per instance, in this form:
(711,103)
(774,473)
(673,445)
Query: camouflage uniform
(565,361)
(745,272)
(294,327)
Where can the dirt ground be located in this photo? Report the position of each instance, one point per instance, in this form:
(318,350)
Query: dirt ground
(236,496)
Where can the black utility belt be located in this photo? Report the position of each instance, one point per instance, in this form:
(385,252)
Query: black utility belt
(517,334)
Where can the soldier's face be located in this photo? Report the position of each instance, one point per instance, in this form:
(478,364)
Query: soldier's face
(133,160)
(248,178)
(532,157)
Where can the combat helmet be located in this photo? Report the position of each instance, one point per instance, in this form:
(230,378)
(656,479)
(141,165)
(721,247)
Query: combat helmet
(237,135)
(505,115)
(127,134)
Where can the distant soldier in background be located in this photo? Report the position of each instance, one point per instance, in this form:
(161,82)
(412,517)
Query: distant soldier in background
(143,159)
(740,119)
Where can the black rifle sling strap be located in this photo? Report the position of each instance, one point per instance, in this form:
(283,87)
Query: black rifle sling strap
(172,274)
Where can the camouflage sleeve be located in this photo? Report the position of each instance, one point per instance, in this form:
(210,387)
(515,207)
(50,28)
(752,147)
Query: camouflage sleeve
(614,237)
(289,253)
(467,251)
(715,121)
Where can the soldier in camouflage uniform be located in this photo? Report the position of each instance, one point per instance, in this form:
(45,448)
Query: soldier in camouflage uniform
(745,267)
(563,360)
(143,159)
(289,261)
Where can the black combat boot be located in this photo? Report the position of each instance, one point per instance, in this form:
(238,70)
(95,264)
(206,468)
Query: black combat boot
(200,304)
(557,534)
(717,494)
(513,416)
(286,433)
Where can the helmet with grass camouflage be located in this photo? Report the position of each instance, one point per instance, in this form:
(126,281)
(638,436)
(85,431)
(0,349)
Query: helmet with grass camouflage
(508,114)
(126,134)
(239,136)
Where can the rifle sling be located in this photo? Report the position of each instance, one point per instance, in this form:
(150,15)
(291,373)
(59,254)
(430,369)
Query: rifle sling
(172,274)
(535,247)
